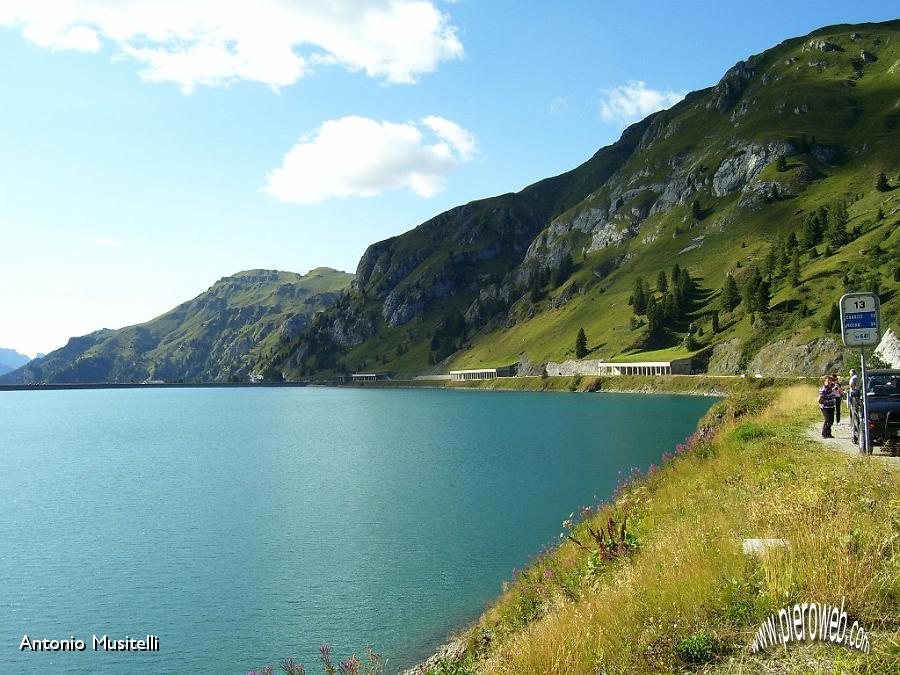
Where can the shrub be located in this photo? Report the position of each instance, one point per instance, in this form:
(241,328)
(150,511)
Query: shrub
(697,647)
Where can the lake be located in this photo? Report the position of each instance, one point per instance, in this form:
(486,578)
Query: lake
(242,526)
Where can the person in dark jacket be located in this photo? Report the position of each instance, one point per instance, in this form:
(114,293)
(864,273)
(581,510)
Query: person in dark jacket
(838,393)
(826,404)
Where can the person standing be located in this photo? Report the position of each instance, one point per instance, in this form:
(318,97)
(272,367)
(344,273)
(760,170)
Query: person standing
(826,404)
(838,394)
(852,393)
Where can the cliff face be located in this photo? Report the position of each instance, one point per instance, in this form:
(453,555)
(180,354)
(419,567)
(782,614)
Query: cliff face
(889,349)
(218,335)
(715,184)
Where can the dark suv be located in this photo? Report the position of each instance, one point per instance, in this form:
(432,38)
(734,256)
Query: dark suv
(883,399)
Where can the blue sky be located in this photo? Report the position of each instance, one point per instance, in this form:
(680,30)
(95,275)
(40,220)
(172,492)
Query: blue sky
(150,148)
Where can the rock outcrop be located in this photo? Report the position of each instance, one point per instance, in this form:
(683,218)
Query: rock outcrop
(889,348)
(785,358)
(725,358)
(574,367)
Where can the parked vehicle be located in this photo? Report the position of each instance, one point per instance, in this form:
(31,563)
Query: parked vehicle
(883,402)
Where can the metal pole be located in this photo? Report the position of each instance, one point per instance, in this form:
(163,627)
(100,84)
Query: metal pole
(866,437)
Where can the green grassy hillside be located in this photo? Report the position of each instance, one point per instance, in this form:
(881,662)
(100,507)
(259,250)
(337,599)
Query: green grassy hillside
(775,169)
(218,335)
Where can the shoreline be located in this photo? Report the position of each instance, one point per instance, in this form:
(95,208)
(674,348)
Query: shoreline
(634,384)
(690,385)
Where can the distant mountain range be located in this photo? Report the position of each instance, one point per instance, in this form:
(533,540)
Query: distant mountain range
(219,335)
(10,359)
(725,228)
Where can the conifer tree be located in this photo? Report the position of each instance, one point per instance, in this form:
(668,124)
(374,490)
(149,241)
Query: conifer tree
(795,269)
(730,296)
(791,242)
(812,233)
(581,344)
(715,321)
(881,183)
(763,297)
(750,291)
(662,284)
(696,211)
(639,296)
(832,322)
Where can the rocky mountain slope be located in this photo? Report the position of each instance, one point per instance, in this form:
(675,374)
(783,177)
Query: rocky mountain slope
(216,336)
(783,178)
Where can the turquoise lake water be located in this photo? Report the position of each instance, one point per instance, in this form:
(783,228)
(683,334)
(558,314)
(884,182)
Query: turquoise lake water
(243,526)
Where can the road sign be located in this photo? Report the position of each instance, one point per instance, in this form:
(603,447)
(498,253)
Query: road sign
(860,321)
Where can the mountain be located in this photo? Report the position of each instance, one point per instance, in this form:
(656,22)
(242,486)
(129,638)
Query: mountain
(214,337)
(725,228)
(10,359)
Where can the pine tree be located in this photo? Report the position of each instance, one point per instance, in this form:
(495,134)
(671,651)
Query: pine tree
(676,272)
(771,260)
(795,269)
(837,225)
(696,211)
(880,215)
(655,320)
(662,284)
(782,163)
(763,297)
(639,297)
(881,183)
(792,242)
(730,296)
(715,321)
(581,349)
(812,232)
(750,291)
(832,322)
(670,311)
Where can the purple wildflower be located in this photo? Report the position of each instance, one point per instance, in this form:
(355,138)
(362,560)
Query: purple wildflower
(548,574)
(350,666)
(325,649)
(291,667)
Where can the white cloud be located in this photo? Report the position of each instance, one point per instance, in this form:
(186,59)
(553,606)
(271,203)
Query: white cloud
(360,157)
(634,101)
(106,242)
(276,42)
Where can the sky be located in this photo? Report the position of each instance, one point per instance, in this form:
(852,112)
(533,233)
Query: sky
(148,149)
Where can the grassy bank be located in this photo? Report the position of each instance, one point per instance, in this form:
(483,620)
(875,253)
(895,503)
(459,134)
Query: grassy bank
(646,384)
(674,592)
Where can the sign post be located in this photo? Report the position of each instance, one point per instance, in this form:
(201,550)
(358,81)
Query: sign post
(861,327)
